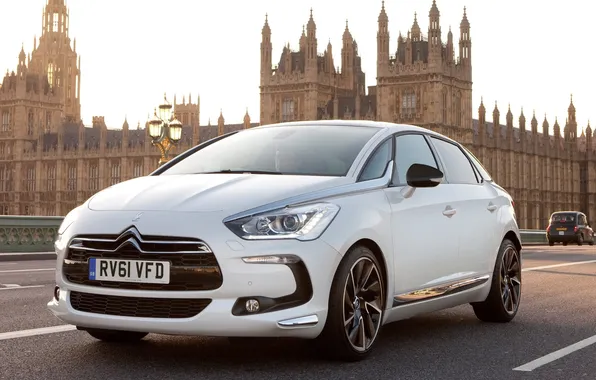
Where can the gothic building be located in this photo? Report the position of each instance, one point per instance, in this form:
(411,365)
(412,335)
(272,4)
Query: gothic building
(422,82)
(49,161)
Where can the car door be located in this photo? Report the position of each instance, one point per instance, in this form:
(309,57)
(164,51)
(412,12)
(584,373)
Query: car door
(478,205)
(424,228)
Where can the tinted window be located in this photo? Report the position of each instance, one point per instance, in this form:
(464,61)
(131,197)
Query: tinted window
(305,150)
(481,169)
(411,149)
(458,167)
(563,218)
(375,167)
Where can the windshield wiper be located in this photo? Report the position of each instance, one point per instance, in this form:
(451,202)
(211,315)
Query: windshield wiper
(230,171)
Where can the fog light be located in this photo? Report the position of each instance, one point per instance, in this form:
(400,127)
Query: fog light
(57,293)
(252,306)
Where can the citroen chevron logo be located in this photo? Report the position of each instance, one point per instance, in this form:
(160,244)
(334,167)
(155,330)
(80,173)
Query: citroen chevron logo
(132,240)
(137,217)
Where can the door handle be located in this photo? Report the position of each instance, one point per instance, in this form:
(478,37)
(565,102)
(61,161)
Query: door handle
(491,207)
(449,212)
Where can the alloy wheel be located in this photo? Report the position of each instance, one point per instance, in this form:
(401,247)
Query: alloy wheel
(510,280)
(363,300)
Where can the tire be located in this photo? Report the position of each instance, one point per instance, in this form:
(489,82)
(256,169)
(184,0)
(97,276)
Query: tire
(551,243)
(591,242)
(565,243)
(580,239)
(496,307)
(369,307)
(116,336)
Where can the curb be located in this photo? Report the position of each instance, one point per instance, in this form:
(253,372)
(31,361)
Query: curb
(27,256)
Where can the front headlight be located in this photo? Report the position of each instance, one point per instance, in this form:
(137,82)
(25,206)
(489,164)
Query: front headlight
(303,223)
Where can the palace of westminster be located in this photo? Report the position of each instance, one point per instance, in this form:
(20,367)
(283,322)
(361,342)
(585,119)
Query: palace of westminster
(50,162)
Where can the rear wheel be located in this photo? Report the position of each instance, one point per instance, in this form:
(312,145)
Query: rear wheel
(356,307)
(504,298)
(551,243)
(116,336)
(580,239)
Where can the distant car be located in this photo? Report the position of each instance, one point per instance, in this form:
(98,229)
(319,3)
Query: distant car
(322,230)
(569,227)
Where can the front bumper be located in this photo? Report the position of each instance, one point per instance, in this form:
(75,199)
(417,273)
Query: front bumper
(293,298)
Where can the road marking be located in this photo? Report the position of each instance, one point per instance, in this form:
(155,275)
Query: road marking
(558,265)
(27,270)
(556,355)
(34,332)
(22,287)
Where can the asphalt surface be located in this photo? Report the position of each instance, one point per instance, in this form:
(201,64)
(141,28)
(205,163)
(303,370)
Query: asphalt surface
(557,311)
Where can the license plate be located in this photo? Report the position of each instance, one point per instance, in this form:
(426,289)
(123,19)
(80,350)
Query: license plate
(561,229)
(561,232)
(149,272)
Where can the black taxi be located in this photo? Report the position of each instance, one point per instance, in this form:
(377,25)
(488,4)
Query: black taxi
(569,227)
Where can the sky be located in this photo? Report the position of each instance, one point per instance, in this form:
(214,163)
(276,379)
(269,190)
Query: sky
(532,54)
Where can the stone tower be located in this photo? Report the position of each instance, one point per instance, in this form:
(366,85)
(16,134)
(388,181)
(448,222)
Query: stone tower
(305,85)
(58,60)
(423,83)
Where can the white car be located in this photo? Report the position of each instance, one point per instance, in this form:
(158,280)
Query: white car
(321,230)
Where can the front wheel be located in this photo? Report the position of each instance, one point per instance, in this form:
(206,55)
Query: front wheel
(356,307)
(504,298)
(117,336)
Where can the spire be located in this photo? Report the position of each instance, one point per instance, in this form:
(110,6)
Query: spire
(464,21)
(266,29)
(571,106)
(434,10)
(311,27)
(415,29)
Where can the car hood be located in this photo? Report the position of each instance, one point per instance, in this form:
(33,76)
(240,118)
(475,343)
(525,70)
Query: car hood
(206,192)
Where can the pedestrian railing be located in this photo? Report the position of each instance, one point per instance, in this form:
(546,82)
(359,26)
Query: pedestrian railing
(37,234)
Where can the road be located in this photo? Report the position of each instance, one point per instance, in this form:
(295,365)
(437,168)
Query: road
(557,312)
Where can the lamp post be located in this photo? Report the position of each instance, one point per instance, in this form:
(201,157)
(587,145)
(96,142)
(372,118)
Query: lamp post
(165,130)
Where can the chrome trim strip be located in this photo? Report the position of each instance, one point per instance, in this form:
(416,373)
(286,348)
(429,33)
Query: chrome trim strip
(306,321)
(439,290)
(319,195)
(134,240)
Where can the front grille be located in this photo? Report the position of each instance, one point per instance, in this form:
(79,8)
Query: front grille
(137,306)
(192,264)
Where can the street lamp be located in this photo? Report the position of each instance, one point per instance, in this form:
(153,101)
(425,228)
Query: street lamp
(165,130)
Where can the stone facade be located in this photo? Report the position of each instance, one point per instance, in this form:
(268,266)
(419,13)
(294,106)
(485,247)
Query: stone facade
(423,83)
(49,161)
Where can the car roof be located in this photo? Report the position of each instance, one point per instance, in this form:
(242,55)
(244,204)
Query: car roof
(388,128)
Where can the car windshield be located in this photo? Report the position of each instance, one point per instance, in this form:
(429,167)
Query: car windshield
(563,218)
(301,150)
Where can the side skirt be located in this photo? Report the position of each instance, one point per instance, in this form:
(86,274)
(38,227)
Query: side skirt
(438,291)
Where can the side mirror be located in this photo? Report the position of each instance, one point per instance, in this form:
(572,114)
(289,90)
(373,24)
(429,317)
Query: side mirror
(419,175)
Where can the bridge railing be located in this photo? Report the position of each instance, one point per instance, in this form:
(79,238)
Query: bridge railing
(23,234)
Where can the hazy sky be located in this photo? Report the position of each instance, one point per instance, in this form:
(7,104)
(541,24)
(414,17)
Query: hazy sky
(531,53)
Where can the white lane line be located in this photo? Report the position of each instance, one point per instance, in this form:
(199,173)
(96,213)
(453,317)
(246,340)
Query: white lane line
(556,355)
(22,287)
(558,265)
(27,270)
(34,332)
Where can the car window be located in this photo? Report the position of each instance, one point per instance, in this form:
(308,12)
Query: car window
(302,150)
(479,167)
(563,218)
(375,167)
(411,149)
(459,168)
